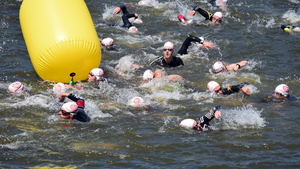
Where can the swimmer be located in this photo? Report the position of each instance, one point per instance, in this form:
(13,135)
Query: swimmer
(96,75)
(290,28)
(168,60)
(221,4)
(138,102)
(61,87)
(203,123)
(145,3)
(219,67)
(215,18)
(125,17)
(281,91)
(215,87)
(149,75)
(16,88)
(74,109)
(107,43)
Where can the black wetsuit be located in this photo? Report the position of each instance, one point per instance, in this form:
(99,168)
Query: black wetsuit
(233,89)
(80,114)
(187,42)
(176,61)
(125,17)
(204,120)
(203,12)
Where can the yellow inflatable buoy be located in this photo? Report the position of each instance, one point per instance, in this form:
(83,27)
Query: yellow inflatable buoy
(61,38)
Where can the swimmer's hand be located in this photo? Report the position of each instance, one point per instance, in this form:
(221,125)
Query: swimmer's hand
(207,45)
(192,13)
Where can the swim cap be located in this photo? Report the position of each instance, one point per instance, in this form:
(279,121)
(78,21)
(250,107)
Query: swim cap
(136,102)
(98,72)
(219,14)
(187,123)
(218,65)
(137,21)
(133,29)
(148,75)
(283,89)
(181,18)
(169,44)
(70,107)
(221,2)
(16,87)
(59,88)
(212,85)
(141,3)
(107,41)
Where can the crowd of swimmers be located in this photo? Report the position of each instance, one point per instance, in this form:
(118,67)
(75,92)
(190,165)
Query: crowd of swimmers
(74,109)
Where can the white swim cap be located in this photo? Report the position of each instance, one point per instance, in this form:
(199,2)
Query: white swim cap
(169,44)
(107,41)
(148,75)
(142,3)
(187,123)
(138,21)
(133,29)
(98,72)
(70,107)
(221,2)
(212,85)
(137,102)
(16,87)
(59,88)
(219,14)
(218,65)
(283,89)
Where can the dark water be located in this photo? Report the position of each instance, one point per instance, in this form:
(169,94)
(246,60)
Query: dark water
(251,133)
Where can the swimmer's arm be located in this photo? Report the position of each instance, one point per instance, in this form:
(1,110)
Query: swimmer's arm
(213,113)
(236,66)
(158,73)
(202,11)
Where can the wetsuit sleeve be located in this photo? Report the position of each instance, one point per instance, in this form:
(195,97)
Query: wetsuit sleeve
(203,12)
(79,100)
(213,3)
(204,120)
(124,9)
(187,42)
(125,19)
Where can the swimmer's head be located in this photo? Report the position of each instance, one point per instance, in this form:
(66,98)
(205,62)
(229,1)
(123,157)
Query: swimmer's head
(221,2)
(16,88)
(211,86)
(188,123)
(168,45)
(287,28)
(218,67)
(217,17)
(107,42)
(58,88)
(136,102)
(69,107)
(142,3)
(137,21)
(282,89)
(133,29)
(95,74)
(148,75)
